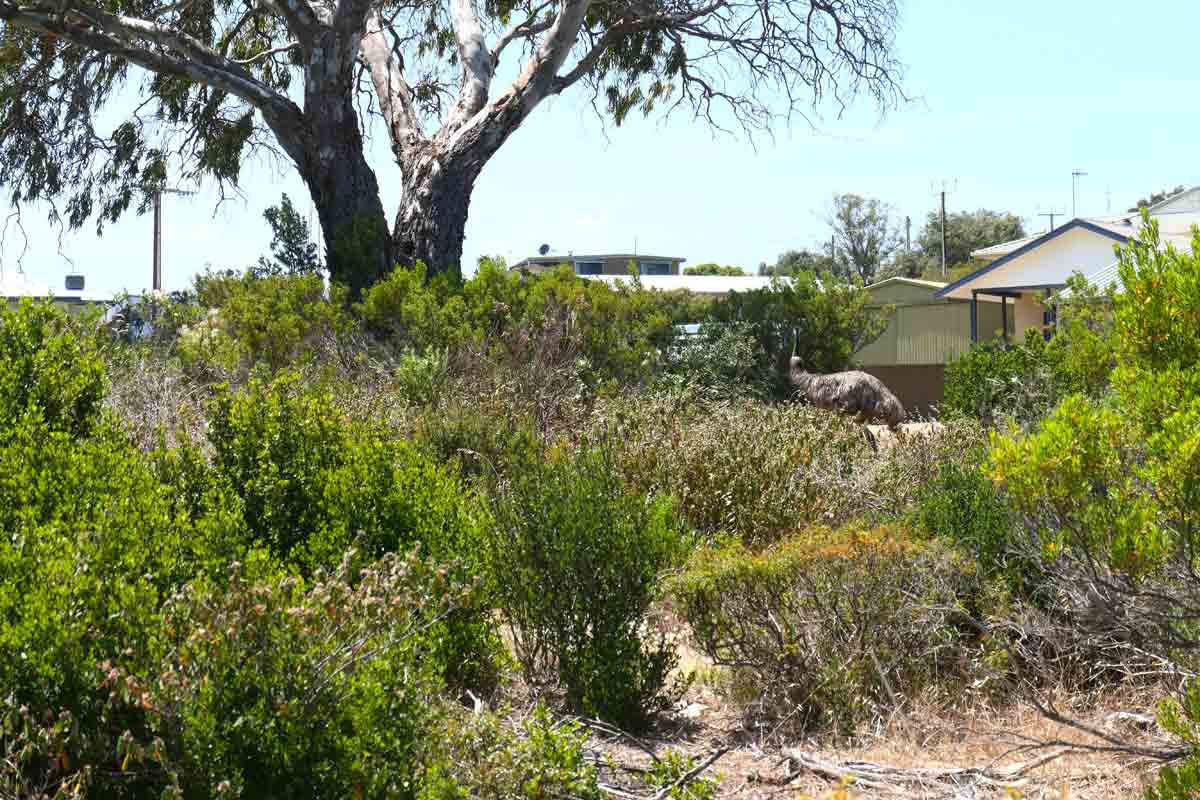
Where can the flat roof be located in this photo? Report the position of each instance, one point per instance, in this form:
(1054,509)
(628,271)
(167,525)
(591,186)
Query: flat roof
(556,259)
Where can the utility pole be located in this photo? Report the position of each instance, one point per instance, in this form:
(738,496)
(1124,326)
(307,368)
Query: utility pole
(943,227)
(156,272)
(908,234)
(1075,176)
(1051,214)
(942,218)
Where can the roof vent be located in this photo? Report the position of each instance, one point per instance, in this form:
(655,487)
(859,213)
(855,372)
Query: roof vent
(74,283)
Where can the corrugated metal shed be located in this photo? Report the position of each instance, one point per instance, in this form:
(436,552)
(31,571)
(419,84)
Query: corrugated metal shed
(924,330)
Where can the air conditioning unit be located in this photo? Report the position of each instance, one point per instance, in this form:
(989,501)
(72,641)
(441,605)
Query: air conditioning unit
(74,283)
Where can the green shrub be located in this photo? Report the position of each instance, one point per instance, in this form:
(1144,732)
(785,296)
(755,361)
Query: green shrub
(93,543)
(49,368)
(819,318)
(1026,379)
(719,363)
(276,321)
(964,507)
(311,484)
(268,689)
(832,627)
(747,469)
(477,756)
(574,562)
(1109,488)
(479,439)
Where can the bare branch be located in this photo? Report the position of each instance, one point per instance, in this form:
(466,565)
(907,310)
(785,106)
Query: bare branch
(267,53)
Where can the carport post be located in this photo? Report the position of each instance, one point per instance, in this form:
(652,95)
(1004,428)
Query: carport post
(974,318)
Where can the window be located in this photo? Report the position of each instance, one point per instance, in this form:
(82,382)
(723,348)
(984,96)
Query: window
(656,267)
(589,267)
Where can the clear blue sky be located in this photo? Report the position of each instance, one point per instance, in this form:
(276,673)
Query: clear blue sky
(1009,98)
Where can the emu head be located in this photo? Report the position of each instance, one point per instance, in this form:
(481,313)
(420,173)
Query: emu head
(796,364)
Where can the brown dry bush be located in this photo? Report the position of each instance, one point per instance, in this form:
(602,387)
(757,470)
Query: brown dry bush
(832,628)
(761,471)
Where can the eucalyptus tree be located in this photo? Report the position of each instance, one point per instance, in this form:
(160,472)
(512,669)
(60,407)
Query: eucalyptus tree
(99,99)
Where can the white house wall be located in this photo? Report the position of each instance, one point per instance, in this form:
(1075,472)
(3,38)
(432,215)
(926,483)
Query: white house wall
(1050,264)
(1028,313)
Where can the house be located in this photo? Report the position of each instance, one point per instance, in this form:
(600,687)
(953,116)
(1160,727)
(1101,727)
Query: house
(1020,274)
(708,285)
(15,288)
(924,333)
(605,264)
(656,273)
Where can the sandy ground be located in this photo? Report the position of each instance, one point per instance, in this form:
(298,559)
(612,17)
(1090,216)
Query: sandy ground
(924,752)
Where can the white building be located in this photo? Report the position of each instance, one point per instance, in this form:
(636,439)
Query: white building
(1024,271)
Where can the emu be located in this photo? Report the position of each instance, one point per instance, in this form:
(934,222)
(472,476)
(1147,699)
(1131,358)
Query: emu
(854,392)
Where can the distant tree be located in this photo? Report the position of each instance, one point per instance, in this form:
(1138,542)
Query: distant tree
(713,269)
(906,264)
(863,234)
(966,231)
(794,262)
(293,252)
(1158,197)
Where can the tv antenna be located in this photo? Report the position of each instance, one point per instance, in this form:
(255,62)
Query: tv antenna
(1075,176)
(156,274)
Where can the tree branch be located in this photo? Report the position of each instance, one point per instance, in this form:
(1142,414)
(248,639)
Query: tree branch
(391,89)
(475,59)
(120,36)
(266,53)
(528,28)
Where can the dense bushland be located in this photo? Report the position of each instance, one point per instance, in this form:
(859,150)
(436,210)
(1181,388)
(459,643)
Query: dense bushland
(360,531)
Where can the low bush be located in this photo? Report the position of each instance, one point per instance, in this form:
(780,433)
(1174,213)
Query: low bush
(478,756)
(260,689)
(833,627)
(966,508)
(312,483)
(93,542)
(574,562)
(50,368)
(747,469)
(275,321)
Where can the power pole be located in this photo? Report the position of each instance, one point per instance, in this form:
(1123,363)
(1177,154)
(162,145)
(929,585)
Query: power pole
(908,234)
(943,227)
(1051,215)
(156,269)
(1075,176)
(156,272)
(942,217)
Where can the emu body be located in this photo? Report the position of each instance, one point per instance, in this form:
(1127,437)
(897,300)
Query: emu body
(854,392)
